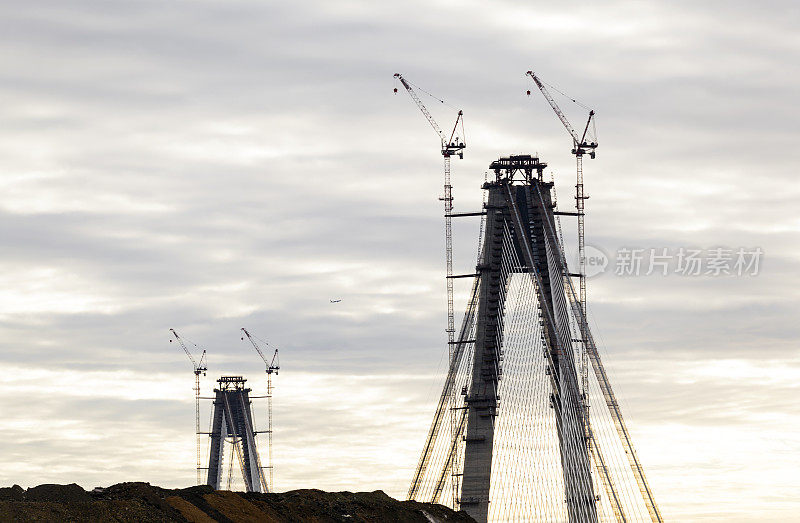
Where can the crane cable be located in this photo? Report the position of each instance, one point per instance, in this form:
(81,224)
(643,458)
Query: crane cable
(565,95)
(440,100)
(568,97)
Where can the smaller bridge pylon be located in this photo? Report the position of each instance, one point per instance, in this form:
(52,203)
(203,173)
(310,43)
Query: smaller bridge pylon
(232,423)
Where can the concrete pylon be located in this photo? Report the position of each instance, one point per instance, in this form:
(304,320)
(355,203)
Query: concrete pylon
(518,210)
(232,421)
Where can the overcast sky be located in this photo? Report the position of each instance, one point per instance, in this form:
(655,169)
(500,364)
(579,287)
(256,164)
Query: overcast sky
(210,165)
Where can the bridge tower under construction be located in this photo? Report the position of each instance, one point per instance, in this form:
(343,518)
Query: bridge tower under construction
(519,388)
(232,423)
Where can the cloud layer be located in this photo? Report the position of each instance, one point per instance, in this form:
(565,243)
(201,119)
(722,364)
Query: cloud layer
(212,165)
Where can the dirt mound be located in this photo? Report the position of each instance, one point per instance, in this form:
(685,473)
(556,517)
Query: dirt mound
(71,493)
(201,504)
(15,493)
(319,506)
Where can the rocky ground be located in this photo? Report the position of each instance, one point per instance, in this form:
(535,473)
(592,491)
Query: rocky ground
(145,503)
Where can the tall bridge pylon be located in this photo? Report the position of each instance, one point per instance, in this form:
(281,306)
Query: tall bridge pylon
(523,439)
(232,422)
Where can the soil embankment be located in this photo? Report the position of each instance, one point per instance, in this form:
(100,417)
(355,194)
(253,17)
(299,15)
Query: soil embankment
(142,502)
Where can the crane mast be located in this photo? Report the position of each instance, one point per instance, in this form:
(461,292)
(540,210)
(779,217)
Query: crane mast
(450,145)
(579,147)
(198,368)
(272,366)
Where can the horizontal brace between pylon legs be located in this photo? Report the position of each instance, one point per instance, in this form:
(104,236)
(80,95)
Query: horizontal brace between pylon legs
(464,214)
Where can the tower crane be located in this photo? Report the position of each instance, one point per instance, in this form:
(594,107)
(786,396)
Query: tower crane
(199,367)
(450,145)
(580,147)
(272,366)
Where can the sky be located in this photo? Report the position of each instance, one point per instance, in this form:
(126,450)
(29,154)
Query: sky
(212,165)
